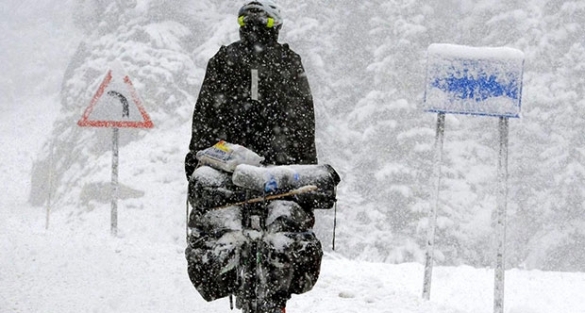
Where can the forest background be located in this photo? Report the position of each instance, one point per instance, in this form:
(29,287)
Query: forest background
(366,64)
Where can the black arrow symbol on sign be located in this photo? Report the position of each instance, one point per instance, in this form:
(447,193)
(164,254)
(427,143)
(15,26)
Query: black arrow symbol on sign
(125,105)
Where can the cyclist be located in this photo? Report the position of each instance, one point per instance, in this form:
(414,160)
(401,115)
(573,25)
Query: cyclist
(255,94)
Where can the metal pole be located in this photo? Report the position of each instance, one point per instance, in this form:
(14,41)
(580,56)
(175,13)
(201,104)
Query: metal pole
(501,222)
(114,212)
(433,213)
(49,204)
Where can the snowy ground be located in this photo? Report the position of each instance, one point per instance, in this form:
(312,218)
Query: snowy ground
(77,266)
(87,270)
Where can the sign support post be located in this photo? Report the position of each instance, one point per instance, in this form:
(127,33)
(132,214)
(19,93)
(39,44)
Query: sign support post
(474,81)
(500,268)
(114,212)
(115,105)
(50,195)
(438,158)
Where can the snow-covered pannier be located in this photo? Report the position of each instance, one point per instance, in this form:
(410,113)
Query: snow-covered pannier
(211,188)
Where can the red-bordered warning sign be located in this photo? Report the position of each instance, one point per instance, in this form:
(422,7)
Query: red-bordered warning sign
(116,105)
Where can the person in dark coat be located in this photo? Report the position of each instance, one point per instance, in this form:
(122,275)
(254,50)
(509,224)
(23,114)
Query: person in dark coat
(255,94)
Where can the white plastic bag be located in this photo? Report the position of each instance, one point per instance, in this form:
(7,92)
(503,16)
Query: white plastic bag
(226,156)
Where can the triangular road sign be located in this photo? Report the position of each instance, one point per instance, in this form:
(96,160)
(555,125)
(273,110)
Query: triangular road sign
(116,105)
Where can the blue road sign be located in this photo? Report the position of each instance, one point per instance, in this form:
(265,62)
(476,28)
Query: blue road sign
(476,81)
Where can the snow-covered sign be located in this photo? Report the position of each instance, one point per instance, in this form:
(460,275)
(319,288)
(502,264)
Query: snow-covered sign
(116,105)
(474,80)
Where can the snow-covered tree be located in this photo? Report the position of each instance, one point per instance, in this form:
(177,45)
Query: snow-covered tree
(366,64)
(153,44)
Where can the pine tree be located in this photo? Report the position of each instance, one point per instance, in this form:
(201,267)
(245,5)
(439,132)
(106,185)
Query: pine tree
(391,162)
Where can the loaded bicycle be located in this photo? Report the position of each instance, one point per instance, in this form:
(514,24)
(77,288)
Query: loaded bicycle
(250,232)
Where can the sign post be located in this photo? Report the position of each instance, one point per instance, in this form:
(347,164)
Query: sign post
(473,81)
(439,139)
(115,188)
(115,105)
(500,268)
(50,195)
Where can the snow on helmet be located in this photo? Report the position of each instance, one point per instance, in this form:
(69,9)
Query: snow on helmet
(265,12)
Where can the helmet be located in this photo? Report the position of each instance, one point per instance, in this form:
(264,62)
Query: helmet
(263,12)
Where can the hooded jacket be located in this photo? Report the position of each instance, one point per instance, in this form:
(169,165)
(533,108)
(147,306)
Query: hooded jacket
(256,94)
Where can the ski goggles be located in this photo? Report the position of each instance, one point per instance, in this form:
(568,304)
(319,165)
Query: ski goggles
(256,19)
